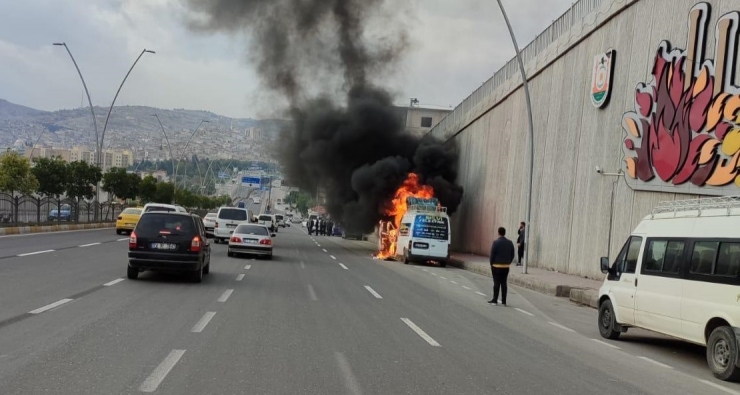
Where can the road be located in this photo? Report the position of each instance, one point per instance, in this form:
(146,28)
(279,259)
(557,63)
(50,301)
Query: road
(322,317)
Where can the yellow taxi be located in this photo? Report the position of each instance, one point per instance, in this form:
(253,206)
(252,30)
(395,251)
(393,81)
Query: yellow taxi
(127,220)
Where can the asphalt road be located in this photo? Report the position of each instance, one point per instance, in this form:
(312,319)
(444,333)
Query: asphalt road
(322,317)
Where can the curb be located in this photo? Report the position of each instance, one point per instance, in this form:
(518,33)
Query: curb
(22,230)
(586,297)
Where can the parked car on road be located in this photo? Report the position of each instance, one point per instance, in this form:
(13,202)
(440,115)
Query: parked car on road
(251,239)
(169,242)
(127,220)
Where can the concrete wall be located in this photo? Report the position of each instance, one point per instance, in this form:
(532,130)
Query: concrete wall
(571,202)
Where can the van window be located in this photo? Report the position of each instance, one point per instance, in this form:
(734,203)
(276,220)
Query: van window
(728,261)
(627,259)
(278,217)
(233,214)
(430,227)
(702,258)
(265,218)
(664,256)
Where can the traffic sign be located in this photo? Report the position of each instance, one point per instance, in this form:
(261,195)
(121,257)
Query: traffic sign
(251,181)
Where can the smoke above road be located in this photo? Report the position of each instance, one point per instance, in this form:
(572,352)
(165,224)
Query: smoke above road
(328,59)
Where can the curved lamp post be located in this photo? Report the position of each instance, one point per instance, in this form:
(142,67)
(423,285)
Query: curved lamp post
(188,144)
(169,147)
(530,144)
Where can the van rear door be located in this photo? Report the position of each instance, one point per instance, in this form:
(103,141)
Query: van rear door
(430,235)
(231,217)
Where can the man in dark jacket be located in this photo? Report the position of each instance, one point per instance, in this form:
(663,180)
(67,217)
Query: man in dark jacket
(310,226)
(502,254)
(520,243)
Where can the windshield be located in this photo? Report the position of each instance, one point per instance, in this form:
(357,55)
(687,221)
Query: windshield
(155,224)
(132,211)
(265,218)
(233,214)
(251,230)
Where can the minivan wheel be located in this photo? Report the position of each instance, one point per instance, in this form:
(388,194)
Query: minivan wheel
(722,355)
(132,273)
(607,321)
(198,275)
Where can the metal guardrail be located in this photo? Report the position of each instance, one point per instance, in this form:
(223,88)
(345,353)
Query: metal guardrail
(558,28)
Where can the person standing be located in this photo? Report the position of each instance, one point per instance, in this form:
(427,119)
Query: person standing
(502,254)
(520,243)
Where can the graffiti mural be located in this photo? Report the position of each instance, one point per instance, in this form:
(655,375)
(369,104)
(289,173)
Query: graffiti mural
(684,135)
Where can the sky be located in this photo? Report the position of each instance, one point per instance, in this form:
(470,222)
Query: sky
(455,46)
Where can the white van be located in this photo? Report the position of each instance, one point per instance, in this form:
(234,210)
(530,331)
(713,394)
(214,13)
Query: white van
(679,274)
(269,221)
(424,233)
(171,208)
(226,221)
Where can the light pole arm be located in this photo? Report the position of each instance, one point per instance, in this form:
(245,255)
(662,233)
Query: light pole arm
(105,126)
(188,144)
(169,147)
(87,93)
(530,140)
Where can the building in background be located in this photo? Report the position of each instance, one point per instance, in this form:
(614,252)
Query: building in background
(420,120)
(111,158)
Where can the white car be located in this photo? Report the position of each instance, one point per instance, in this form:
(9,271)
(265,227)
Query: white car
(679,274)
(226,221)
(251,239)
(209,222)
(169,208)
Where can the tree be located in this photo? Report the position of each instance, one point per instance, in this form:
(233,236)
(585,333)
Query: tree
(165,193)
(81,179)
(15,174)
(51,175)
(120,183)
(148,189)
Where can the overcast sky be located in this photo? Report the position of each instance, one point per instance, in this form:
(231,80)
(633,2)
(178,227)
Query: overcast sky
(455,46)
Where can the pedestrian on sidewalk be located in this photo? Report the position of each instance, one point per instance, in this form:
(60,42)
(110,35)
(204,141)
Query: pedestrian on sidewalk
(520,242)
(502,254)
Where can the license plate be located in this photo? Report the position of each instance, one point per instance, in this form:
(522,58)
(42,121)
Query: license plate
(249,241)
(231,225)
(164,246)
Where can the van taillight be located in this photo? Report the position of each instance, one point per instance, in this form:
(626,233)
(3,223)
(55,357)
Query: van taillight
(195,244)
(216,224)
(132,241)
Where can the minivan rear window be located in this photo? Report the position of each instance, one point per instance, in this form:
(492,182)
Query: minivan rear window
(233,214)
(265,218)
(278,217)
(251,230)
(154,224)
(431,227)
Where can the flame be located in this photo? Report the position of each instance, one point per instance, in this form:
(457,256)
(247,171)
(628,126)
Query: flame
(396,208)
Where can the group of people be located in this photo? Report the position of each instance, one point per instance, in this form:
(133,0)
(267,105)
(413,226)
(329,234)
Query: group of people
(320,227)
(502,255)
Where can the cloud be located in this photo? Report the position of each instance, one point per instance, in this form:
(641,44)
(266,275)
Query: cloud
(455,46)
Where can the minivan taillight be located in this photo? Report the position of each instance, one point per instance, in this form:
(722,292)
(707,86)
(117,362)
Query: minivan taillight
(132,241)
(195,244)
(216,226)
(266,242)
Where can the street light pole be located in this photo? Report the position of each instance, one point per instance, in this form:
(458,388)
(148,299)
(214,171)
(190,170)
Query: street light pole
(530,144)
(169,147)
(89,100)
(188,144)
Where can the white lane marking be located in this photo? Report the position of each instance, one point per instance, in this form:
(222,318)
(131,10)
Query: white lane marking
(656,362)
(240,277)
(349,378)
(434,274)
(523,311)
(343,267)
(555,324)
(36,253)
(312,293)
(303,265)
(480,293)
(468,288)
(88,245)
(333,257)
(201,324)
(50,306)
(160,372)
(420,332)
(247,267)
(225,296)
(424,270)
(318,244)
(114,282)
(443,277)
(324,249)
(372,291)
(123,239)
(454,282)
(719,387)
(606,344)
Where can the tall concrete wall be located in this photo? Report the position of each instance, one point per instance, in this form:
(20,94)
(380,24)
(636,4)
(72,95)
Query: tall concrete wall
(571,202)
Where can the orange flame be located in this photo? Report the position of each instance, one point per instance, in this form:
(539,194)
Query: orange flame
(396,208)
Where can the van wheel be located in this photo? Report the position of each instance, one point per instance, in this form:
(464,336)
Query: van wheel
(607,321)
(132,273)
(443,263)
(722,356)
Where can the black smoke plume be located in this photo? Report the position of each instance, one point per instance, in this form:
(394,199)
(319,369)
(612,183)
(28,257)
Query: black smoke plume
(313,51)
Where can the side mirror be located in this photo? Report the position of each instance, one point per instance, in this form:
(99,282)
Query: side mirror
(273,235)
(604,264)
